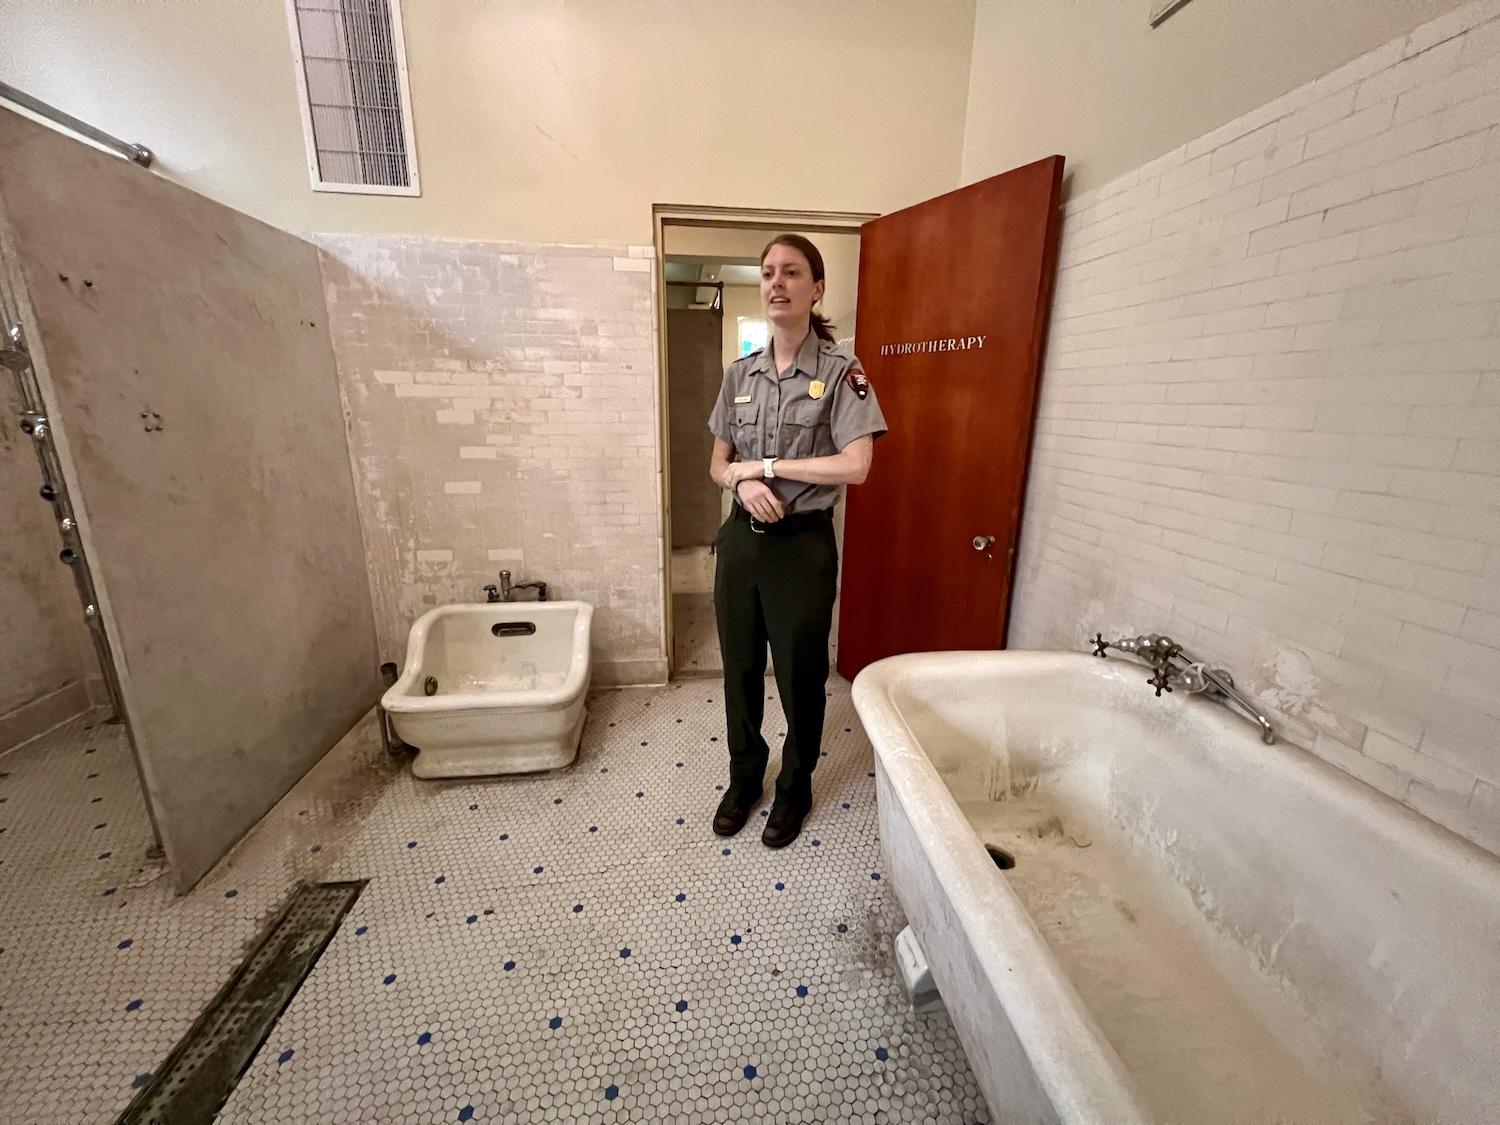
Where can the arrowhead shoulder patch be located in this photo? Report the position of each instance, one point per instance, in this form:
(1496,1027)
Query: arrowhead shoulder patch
(857,380)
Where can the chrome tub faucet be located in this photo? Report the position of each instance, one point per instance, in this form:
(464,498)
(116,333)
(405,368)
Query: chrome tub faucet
(1174,668)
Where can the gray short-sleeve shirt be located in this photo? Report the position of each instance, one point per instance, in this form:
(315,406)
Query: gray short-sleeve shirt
(821,404)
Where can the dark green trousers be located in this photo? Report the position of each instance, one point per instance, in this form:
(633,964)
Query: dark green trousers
(778,587)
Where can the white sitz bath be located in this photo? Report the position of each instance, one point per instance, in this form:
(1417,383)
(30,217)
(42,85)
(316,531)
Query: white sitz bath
(1197,927)
(494,688)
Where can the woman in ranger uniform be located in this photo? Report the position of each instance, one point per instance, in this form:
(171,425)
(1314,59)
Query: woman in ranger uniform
(794,423)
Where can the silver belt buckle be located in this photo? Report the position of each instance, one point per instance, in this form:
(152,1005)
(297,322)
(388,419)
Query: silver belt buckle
(754,528)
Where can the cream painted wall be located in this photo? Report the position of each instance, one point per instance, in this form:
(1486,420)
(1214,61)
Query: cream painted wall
(1090,79)
(534,121)
(739,300)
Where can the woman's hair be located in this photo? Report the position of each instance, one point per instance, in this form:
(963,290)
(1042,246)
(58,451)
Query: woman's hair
(821,326)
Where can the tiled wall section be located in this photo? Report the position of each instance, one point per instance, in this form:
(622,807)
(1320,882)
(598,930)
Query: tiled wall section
(1270,417)
(501,416)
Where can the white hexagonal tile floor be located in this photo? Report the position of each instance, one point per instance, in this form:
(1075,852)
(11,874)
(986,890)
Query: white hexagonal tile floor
(576,946)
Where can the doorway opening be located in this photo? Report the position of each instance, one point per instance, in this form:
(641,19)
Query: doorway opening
(708,314)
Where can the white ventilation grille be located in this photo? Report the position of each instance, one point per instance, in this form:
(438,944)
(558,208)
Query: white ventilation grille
(356,107)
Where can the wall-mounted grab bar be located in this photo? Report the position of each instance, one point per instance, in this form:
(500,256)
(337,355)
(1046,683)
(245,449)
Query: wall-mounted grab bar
(138,154)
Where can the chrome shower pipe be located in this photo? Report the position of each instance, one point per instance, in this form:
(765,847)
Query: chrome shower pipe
(15,356)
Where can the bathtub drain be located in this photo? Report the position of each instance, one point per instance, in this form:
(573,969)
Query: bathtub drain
(1003,859)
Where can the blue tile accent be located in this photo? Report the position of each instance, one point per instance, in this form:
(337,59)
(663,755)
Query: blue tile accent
(679,820)
(875,875)
(843,929)
(285,1056)
(139,1081)
(555,1022)
(411,843)
(736,939)
(817,843)
(231,893)
(390,978)
(105,855)
(126,944)
(440,880)
(625,952)
(682,1005)
(133,1005)
(424,1039)
(557,800)
(882,1054)
(473,808)
(536,870)
(593,828)
(578,908)
(466,1113)
(359,930)
(509,966)
(781,886)
(611,1093)
(726,851)
(505,835)
(750,1072)
(681,897)
(801,990)
(471,919)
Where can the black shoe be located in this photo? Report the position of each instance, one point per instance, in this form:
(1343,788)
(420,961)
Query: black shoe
(734,810)
(785,822)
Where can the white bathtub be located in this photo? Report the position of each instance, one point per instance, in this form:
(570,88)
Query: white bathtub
(510,681)
(1198,927)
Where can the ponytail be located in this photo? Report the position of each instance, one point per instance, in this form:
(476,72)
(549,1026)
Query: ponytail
(822,327)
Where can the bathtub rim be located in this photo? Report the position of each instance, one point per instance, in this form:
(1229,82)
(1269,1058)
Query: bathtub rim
(398,698)
(1078,1069)
(1430,848)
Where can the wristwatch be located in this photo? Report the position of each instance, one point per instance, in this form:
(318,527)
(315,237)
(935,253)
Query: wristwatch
(767,468)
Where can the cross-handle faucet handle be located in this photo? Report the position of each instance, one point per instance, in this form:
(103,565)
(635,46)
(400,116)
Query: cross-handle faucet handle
(1160,681)
(492,593)
(1099,644)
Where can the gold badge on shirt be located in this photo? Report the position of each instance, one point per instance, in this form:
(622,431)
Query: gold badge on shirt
(816,389)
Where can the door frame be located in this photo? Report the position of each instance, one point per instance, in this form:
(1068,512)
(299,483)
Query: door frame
(665,215)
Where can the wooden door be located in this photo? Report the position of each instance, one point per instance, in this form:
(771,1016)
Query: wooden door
(953,302)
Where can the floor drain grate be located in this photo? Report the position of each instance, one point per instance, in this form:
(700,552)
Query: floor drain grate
(201,1072)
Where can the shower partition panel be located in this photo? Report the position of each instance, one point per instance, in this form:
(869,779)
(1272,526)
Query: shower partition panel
(182,353)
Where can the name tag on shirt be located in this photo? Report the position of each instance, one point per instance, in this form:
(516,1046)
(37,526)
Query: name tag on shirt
(742,398)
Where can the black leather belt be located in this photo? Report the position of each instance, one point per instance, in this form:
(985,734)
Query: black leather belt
(786,525)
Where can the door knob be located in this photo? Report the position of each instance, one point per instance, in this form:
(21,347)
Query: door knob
(982,542)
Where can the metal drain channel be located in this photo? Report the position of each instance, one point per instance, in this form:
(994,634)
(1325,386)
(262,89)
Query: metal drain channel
(203,1069)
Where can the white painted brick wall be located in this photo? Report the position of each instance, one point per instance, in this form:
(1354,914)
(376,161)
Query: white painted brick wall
(499,403)
(1270,416)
